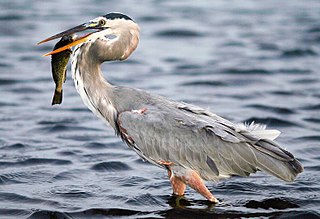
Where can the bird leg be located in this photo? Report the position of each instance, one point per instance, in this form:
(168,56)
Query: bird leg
(178,186)
(190,178)
(193,180)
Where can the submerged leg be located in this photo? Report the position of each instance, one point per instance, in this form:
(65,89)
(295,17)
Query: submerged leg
(193,179)
(190,178)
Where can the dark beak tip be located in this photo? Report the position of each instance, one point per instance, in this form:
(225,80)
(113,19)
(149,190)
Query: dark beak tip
(46,40)
(71,31)
(38,43)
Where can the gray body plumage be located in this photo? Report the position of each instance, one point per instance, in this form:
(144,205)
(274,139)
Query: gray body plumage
(186,135)
(195,139)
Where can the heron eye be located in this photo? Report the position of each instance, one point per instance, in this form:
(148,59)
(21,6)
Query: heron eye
(102,22)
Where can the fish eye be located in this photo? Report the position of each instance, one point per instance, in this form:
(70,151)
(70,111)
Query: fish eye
(102,22)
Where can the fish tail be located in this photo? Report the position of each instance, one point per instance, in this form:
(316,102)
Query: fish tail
(57,97)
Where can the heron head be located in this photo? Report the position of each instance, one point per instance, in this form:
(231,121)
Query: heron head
(113,36)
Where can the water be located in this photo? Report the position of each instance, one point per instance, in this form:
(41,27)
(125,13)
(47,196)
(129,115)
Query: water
(244,60)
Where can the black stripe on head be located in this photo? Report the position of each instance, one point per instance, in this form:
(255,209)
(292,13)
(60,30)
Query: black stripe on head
(115,15)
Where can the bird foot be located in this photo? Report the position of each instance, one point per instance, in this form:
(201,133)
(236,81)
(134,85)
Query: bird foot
(193,180)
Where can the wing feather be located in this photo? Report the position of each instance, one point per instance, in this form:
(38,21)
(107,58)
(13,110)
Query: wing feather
(196,139)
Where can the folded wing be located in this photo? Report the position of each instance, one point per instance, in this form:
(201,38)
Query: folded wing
(191,137)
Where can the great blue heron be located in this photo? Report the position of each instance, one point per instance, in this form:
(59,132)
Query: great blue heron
(191,143)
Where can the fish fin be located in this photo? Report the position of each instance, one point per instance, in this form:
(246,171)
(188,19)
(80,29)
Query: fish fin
(65,76)
(57,97)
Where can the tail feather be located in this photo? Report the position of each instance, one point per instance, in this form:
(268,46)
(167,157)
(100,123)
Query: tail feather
(277,161)
(273,149)
(272,158)
(296,166)
(286,171)
(57,97)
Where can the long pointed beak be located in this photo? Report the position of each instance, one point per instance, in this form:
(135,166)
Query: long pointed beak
(71,31)
(77,40)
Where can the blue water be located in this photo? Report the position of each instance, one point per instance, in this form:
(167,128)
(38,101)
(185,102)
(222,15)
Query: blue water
(244,60)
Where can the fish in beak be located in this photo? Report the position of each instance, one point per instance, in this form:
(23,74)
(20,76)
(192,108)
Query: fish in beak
(93,25)
(59,62)
(62,52)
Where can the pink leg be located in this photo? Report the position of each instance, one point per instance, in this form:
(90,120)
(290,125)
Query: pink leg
(191,178)
(194,181)
(178,186)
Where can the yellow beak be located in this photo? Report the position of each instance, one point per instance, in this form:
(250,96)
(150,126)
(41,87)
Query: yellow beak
(68,46)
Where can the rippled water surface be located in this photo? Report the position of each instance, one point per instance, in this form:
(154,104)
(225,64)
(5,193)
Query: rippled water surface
(244,60)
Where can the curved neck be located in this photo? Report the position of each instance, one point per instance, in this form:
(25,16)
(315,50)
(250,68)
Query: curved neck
(94,90)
